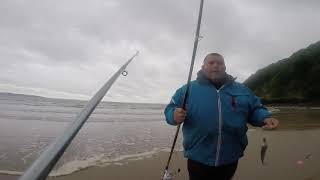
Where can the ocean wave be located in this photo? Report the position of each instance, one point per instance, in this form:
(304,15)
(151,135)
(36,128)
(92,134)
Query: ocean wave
(98,160)
(8,172)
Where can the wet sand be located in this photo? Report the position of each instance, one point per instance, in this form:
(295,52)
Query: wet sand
(285,149)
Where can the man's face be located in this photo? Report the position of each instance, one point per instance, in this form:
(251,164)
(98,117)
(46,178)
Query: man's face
(214,67)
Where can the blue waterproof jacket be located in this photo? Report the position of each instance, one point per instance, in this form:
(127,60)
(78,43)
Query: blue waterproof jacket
(214,131)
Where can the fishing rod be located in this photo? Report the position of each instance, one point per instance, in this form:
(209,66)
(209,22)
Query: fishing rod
(167,175)
(42,166)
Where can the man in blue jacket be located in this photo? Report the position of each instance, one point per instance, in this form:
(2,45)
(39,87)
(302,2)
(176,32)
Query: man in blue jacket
(215,121)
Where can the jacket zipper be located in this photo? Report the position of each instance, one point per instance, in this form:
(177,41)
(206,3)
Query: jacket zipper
(220,127)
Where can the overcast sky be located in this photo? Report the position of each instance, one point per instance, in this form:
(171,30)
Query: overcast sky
(69,48)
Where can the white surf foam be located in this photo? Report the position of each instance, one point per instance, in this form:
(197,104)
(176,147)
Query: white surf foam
(7,172)
(101,161)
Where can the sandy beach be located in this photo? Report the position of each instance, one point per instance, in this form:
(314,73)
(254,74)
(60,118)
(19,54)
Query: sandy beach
(285,149)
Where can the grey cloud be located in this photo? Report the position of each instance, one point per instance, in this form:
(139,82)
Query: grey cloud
(72,47)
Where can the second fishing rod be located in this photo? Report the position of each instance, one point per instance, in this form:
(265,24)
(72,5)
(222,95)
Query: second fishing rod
(195,46)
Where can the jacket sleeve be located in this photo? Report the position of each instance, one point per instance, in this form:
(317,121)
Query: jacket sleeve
(257,112)
(176,101)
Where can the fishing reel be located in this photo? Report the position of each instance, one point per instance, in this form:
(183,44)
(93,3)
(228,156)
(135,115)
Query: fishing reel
(169,175)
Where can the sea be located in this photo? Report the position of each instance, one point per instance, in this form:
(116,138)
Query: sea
(114,132)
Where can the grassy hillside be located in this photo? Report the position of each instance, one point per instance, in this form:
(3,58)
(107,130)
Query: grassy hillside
(292,80)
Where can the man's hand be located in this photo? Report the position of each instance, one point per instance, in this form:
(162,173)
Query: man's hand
(179,115)
(270,124)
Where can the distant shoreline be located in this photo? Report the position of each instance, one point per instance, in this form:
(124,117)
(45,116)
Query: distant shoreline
(268,102)
(81,100)
(307,105)
(290,101)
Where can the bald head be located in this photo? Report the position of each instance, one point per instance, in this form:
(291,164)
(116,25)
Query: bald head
(214,55)
(214,66)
